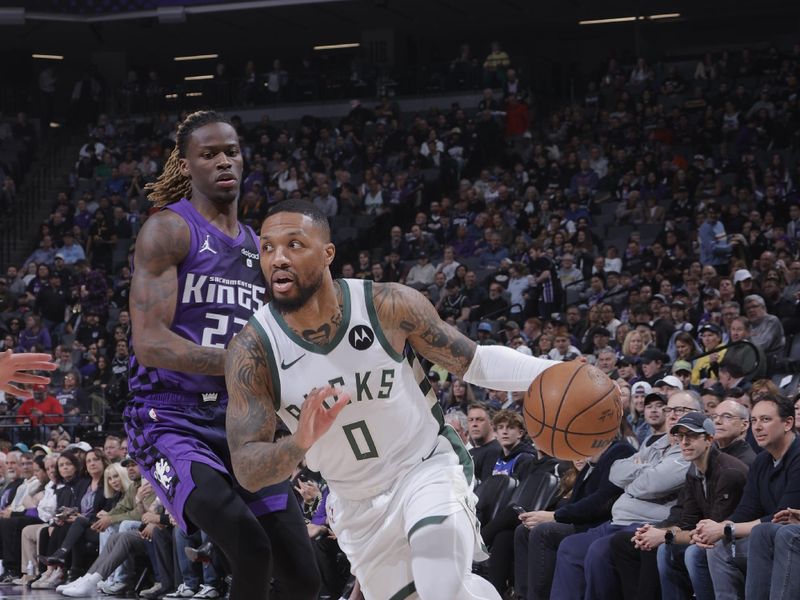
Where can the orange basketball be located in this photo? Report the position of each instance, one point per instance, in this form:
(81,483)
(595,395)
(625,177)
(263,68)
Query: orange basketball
(572,410)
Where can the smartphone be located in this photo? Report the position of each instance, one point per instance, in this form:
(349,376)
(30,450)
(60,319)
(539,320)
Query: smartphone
(518,509)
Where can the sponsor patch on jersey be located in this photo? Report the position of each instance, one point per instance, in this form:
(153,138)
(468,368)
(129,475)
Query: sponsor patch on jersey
(249,258)
(361,337)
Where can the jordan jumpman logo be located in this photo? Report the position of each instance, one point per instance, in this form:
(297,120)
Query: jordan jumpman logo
(206,246)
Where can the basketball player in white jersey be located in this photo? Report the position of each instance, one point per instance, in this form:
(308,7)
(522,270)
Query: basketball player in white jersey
(336,360)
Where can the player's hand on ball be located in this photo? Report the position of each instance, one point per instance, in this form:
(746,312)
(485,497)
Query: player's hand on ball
(315,417)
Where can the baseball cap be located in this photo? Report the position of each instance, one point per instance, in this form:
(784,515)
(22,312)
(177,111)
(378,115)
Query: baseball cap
(21,447)
(40,387)
(60,255)
(601,331)
(512,325)
(660,297)
(41,447)
(485,327)
(84,446)
(694,421)
(678,304)
(712,327)
(128,460)
(671,381)
(710,293)
(653,354)
(681,365)
(641,387)
(741,275)
(654,397)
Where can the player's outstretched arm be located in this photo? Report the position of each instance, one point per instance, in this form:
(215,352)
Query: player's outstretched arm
(251,418)
(403,309)
(13,367)
(161,245)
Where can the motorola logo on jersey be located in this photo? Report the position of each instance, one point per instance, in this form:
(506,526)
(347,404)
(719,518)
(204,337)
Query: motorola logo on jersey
(361,337)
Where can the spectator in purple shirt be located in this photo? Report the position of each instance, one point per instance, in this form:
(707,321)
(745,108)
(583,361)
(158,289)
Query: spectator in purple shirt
(34,335)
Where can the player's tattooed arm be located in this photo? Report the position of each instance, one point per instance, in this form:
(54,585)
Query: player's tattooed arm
(161,245)
(405,314)
(251,419)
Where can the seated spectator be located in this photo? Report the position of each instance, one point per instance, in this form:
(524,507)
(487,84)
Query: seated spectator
(706,368)
(516,449)
(421,275)
(45,511)
(34,335)
(20,512)
(69,496)
(95,499)
(772,484)
(563,350)
(42,409)
(766,330)
(537,539)
(485,447)
(732,421)
(651,480)
(714,485)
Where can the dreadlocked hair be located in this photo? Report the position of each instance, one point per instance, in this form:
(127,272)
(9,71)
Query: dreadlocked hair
(172,185)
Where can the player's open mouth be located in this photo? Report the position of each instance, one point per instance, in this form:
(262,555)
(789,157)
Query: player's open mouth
(282,283)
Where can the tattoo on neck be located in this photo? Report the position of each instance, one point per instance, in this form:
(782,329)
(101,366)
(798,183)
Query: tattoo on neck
(324,333)
(320,335)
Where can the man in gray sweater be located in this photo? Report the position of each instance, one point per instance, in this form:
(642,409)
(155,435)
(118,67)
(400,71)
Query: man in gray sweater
(766,330)
(651,479)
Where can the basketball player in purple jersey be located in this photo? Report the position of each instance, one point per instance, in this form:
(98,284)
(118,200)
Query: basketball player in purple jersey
(196,282)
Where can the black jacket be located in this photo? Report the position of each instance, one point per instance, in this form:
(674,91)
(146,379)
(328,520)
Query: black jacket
(770,488)
(725,479)
(593,493)
(70,493)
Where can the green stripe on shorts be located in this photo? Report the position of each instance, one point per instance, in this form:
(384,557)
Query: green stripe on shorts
(404,592)
(464,456)
(434,520)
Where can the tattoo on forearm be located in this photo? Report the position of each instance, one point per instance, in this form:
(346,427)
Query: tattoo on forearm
(403,308)
(251,418)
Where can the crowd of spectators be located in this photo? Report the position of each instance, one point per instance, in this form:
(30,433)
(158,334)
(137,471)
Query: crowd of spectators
(644,229)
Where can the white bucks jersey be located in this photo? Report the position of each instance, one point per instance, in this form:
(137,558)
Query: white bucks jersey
(392,422)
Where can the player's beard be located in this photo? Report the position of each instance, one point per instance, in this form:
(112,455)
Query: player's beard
(304,293)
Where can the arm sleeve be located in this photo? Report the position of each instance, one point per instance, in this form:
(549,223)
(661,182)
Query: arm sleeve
(501,368)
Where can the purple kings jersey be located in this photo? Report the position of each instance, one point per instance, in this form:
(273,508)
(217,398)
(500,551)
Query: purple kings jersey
(220,285)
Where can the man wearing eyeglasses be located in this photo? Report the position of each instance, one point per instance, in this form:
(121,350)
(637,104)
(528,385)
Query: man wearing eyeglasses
(766,330)
(773,484)
(731,421)
(651,480)
(714,485)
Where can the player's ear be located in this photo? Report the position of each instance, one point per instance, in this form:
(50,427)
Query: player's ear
(330,253)
(183,165)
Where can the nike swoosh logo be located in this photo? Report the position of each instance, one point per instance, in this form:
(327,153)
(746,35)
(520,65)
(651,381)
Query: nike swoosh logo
(284,366)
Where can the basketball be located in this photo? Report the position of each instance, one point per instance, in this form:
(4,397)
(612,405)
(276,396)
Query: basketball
(572,410)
